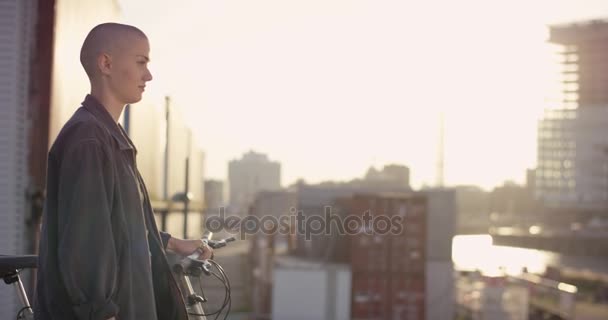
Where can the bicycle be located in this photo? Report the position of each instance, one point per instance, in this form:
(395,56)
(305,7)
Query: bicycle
(10,267)
(183,270)
(192,267)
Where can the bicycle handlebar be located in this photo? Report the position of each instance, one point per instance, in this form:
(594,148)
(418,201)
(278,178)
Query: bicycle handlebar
(8,264)
(193,266)
(216,244)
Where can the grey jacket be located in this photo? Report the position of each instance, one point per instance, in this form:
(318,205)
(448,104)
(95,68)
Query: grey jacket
(101,254)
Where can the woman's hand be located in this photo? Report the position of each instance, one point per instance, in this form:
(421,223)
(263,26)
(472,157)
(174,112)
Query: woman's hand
(185,247)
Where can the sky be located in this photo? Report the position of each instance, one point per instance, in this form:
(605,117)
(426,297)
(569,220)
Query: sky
(331,87)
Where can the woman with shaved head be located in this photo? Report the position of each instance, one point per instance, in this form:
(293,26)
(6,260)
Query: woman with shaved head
(101,253)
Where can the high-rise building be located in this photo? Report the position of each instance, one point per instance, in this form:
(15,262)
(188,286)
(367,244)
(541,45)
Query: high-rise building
(214,194)
(400,275)
(253,173)
(572,168)
(584,62)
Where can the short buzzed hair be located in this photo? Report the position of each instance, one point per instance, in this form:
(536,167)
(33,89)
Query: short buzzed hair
(103,38)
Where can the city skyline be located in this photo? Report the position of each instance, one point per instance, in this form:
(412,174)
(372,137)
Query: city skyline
(330,88)
(311,131)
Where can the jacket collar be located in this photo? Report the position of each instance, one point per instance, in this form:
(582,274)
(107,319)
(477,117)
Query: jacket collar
(101,113)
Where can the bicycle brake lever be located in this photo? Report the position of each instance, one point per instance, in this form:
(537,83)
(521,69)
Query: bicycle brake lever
(216,244)
(204,264)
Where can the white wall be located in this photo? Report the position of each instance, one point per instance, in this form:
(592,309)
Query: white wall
(440,298)
(311,294)
(439,268)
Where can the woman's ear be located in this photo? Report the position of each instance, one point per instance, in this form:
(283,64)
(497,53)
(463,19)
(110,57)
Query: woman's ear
(104,63)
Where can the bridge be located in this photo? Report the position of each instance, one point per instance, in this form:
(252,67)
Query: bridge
(587,243)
